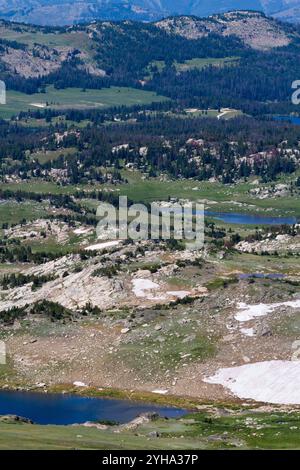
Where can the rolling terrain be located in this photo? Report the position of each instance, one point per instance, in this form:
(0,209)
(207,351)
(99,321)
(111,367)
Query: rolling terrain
(176,111)
(162,57)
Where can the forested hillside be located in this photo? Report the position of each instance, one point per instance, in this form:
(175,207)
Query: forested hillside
(207,63)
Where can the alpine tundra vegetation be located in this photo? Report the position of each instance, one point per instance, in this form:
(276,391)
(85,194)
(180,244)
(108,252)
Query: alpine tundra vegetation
(173,110)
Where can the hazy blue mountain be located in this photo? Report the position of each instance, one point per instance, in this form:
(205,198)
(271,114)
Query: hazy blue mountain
(62,12)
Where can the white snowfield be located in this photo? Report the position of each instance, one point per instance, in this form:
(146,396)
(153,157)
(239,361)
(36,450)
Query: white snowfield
(102,246)
(249,312)
(276,382)
(79,384)
(141,286)
(39,105)
(145,288)
(248,332)
(82,231)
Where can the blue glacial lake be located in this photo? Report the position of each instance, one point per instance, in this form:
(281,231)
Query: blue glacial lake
(250,219)
(44,408)
(290,119)
(261,276)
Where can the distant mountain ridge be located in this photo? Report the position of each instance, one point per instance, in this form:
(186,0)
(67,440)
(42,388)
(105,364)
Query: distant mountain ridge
(100,48)
(67,12)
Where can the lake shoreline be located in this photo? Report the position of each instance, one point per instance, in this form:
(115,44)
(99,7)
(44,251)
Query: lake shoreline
(172,401)
(70,408)
(181,405)
(244,219)
(144,397)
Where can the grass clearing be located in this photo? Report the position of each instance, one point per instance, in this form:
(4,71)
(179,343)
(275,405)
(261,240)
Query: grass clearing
(13,212)
(251,263)
(157,66)
(76,98)
(44,187)
(30,37)
(233,198)
(45,156)
(200,63)
(41,123)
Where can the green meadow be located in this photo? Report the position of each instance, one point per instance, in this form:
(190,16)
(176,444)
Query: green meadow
(200,63)
(192,64)
(31,36)
(76,98)
(218,197)
(275,430)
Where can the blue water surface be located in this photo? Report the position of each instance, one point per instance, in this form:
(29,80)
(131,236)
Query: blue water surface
(290,119)
(250,219)
(48,408)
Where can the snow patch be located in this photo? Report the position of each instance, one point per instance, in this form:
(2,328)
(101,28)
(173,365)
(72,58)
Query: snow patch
(249,312)
(102,246)
(82,231)
(79,384)
(276,382)
(141,286)
(248,332)
(38,105)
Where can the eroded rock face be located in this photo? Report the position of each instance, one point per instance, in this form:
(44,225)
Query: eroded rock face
(74,282)
(73,291)
(253,28)
(282,243)
(32,60)
(25,64)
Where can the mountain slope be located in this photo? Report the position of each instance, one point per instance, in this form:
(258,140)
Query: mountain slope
(253,28)
(237,60)
(31,51)
(291,15)
(63,12)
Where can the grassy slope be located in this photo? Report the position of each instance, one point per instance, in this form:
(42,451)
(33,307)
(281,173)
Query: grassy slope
(51,155)
(247,262)
(13,212)
(60,437)
(200,431)
(30,36)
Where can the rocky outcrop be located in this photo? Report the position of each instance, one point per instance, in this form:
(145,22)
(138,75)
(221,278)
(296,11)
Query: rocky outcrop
(11,419)
(282,243)
(253,28)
